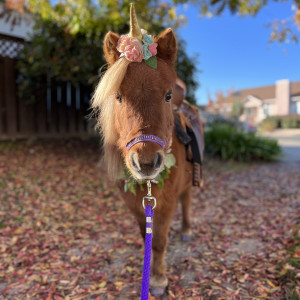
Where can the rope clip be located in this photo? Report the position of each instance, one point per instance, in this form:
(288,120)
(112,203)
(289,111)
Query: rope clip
(149,196)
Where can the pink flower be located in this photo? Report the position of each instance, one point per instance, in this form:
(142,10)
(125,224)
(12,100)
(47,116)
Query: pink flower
(134,52)
(131,48)
(152,49)
(123,41)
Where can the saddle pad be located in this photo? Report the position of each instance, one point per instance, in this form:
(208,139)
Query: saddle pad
(194,125)
(188,129)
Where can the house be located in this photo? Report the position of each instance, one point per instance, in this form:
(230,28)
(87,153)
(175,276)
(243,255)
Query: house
(13,23)
(280,99)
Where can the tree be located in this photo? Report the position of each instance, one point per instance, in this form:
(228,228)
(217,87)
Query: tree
(186,68)
(68,35)
(67,43)
(236,109)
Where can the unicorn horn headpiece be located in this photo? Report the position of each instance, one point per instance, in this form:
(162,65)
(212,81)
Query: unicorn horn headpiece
(135,30)
(135,46)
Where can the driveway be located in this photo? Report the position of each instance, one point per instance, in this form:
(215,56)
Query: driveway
(289,140)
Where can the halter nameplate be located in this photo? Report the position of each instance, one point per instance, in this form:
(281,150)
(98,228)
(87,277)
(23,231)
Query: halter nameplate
(146,138)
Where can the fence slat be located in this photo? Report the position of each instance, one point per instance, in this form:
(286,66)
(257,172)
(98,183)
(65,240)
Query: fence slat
(10,96)
(25,124)
(54,114)
(41,112)
(81,111)
(72,109)
(63,120)
(2,99)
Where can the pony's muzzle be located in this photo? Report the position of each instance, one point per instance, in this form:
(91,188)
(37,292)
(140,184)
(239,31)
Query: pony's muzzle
(146,168)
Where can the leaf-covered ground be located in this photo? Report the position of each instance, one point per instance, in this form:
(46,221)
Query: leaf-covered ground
(66,234)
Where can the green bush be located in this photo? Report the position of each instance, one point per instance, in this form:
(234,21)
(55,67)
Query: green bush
(218,120)
(270,124)
(290,122)
(230,144)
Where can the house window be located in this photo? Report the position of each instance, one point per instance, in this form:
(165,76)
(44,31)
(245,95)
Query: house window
(293,108)
(266,110)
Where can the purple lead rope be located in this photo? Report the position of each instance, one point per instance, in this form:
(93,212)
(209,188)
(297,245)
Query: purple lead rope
(147,257)
(149,210)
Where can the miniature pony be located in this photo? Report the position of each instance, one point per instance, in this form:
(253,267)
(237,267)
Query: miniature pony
(134,100)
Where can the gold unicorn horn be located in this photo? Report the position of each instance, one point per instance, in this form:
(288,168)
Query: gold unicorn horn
(135,30)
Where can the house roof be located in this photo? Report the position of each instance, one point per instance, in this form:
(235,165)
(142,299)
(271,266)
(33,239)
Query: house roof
(263,93)
(20,25)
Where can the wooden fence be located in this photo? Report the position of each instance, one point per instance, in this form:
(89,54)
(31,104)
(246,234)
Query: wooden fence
(61,110)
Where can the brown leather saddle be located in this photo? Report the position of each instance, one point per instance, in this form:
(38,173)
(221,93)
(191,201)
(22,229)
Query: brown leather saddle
(189,131)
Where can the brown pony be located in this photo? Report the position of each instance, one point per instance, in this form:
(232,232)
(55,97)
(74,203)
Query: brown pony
(133,99)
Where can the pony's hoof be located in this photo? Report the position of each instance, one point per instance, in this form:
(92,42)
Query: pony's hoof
(186,237)
(157,291)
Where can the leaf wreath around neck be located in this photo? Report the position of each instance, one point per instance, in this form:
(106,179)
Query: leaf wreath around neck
(131,183)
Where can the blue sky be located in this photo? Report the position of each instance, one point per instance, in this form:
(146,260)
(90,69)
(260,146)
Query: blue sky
(234,51)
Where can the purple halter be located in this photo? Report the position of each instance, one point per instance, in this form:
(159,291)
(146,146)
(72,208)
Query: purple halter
(146,138)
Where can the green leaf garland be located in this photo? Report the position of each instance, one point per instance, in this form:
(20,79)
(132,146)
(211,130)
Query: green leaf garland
(130,183)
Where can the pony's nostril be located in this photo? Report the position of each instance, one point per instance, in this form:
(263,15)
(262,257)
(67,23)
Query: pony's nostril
(158,160)
(134,161)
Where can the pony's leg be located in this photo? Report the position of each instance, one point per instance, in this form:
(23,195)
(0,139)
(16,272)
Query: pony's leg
(186,199)
(142,225)
(158,279)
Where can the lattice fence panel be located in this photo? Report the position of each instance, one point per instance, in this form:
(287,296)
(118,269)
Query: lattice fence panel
(10,47)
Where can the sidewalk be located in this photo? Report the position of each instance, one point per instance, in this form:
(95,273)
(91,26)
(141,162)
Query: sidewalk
(289,140)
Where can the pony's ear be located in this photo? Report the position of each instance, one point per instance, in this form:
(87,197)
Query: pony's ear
(167,46)
(110,47)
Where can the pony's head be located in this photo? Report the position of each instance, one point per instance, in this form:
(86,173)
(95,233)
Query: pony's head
(135,105)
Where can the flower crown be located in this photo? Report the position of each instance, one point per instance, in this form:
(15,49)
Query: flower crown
(135,51)
(137,45)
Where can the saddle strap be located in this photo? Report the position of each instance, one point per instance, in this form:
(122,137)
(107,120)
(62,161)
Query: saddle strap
(197,159)
(195,131)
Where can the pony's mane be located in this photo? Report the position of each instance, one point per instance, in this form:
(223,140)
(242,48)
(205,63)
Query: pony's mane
(102,101)
(103,104)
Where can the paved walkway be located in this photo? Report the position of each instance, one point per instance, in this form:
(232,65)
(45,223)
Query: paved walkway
(289,140)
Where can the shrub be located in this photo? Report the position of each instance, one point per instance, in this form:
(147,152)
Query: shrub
(270,123)
(290,122)
(230,144)
(218,120)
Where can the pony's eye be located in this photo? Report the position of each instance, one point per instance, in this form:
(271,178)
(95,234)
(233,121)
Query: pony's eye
(168,96)
(119,97)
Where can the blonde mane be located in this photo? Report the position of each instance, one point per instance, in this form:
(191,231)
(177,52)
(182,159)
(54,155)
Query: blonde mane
(103,99)
(103,103)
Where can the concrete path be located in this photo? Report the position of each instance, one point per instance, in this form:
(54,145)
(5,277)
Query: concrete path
(289,140)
